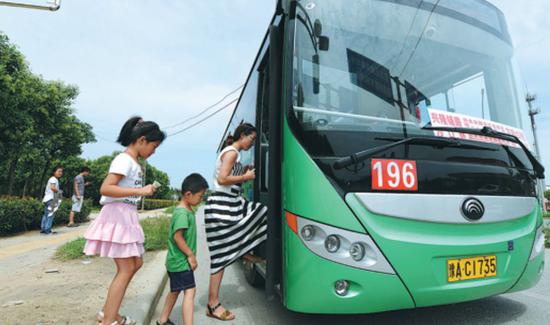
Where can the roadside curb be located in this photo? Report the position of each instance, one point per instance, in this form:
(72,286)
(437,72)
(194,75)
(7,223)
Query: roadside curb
(149,284)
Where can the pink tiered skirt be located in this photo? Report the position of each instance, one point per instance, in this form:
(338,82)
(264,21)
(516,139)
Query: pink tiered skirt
(115,233)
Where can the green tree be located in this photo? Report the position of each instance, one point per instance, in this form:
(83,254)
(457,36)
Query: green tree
(37,124)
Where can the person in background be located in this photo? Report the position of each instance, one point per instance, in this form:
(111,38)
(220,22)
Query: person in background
(52,196)
(78,194)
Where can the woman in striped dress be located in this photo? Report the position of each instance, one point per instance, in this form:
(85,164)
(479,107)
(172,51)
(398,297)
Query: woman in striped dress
(234,226)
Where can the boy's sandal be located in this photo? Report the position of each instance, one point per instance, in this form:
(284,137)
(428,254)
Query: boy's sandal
(225,316)
(168,322)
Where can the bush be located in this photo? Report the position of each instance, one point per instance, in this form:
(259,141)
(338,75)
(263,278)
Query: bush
(17,215)
(546,215)
(152,204)
(62,214)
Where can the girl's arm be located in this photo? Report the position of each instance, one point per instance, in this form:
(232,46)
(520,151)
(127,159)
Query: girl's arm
(110,188)
(228,161)
(53,187)
(182,245)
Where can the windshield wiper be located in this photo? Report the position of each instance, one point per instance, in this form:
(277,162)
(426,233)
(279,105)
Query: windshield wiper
(429,141)
(489,132)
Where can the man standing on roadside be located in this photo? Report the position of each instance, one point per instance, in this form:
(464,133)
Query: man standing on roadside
(78,194)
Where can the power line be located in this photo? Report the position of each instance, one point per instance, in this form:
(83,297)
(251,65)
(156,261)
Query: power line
(204,119)
(206,109)
(396,58)
(104,138)
(420,38)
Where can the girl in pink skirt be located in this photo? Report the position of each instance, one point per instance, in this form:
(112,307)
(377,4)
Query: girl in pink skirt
(116,232)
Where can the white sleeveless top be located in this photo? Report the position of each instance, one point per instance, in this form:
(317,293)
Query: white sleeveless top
(236,171)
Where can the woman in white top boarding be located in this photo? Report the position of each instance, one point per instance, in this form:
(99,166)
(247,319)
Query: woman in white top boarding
(234,226)
(116,232)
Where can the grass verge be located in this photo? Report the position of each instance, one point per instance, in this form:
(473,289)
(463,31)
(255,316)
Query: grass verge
(156,233)
(156,238)
(71,250)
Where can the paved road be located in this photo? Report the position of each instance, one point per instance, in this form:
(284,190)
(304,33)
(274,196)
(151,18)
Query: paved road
(251,307)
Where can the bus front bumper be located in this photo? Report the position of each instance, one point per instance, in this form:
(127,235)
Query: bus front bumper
(310,284)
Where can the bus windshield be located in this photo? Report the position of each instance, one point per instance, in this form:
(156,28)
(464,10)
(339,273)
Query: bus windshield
(389,66)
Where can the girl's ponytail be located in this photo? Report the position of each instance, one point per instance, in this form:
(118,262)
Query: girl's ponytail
(135,128)
(125,136)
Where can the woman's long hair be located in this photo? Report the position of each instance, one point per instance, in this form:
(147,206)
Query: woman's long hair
(243,129)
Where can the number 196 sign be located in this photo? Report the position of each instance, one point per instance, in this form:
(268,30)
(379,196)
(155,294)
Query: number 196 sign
(394,174)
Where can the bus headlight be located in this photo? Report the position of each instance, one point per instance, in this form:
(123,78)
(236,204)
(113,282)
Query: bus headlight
(308,232)
(342,246)
(357,251)
(332,243)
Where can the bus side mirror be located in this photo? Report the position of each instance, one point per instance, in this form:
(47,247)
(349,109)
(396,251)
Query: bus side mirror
(323,43)
(317,28)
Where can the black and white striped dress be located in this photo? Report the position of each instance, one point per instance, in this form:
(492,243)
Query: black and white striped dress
(234,226)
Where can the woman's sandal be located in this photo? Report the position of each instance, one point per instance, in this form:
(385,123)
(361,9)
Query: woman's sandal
(225,316)
(125,319)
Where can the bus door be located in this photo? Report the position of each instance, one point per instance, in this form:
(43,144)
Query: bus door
(262,125)
(263,184)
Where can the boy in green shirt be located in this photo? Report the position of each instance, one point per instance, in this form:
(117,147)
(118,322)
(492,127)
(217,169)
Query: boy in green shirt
(182,247)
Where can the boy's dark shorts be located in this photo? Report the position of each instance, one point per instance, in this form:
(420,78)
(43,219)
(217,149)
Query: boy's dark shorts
(180,281)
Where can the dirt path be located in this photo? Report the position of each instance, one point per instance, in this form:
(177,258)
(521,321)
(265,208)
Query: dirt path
(72,294)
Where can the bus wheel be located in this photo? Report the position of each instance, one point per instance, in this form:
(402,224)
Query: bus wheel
(253,277)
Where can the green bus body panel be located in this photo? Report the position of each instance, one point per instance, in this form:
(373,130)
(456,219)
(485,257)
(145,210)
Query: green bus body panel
(419,250)
(307,192)
(531,275)
(309,284)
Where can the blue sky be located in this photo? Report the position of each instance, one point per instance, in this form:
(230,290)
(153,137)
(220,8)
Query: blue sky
(166,60)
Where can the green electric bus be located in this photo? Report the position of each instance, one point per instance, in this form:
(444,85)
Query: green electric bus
(394,154)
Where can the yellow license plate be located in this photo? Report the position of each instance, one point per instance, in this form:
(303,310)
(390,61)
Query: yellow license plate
(460,269)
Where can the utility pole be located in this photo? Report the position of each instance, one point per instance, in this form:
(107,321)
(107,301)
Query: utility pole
(143,183)
(530,98)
